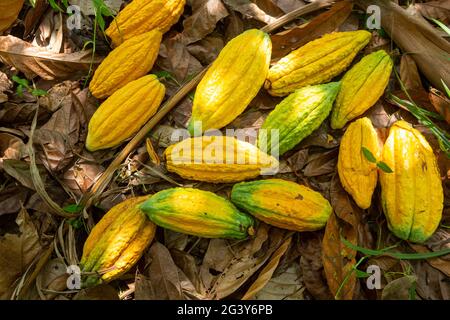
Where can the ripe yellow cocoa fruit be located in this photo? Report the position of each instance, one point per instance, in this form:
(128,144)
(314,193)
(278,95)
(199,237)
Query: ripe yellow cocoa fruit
(358,175)
(141,16)
(232,81)
(412,196)
(284,204)
(132,60)
(198,213)
(9,10)
(316,62)
(116,242)
(124,113)
(361,87)
(218,159)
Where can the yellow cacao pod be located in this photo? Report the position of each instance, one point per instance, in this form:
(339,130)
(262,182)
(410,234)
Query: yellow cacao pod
(296,117)
(117,242)
(232,82)
(132,60)
(141,16)
(283,204)
(412,196)
(218,159)
(358,175)
(361,87)
(198,213)
(316,62)
(9,11)
(124,113)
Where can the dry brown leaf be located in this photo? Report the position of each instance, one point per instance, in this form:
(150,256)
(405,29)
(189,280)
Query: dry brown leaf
(399,289)
(11,147)
(13,113)
(311,265)
(20,170)
(267,272)
(80,177)
(207,49)
(5,87)
(163,280)
(284,286)
(17,251)
(431,283)
(441,103)
(439,10)
(205,15)
(439,263)
(321,163)
(101,292)
(227,265)
(409,73)
(284,42)
(34,61)
(249,10)
(176,59)
(339,260)
(34,15)
(269,7)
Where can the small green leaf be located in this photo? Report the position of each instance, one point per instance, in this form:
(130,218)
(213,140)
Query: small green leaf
(19,91)
(20,81)
(369,155)
(76,223)
(443,26)
(383,166)
(447,90)
(33,3)
(361,274)
(39,92)
(54,5)
(73,208)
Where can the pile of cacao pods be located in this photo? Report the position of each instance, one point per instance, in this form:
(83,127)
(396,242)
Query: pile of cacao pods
(412,194)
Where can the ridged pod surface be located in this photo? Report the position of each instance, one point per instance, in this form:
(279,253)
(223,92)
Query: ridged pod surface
(124,113)
(284,204)
(296,117)
(9,11)
(141,16)
(117,242)
(132,60)
(358,175)
(198,213)
(316,62)
(218,159)
(361,87)
(231,83)
(412,196)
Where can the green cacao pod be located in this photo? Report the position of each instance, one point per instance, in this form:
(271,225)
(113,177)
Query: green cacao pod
(132,60)
(141,16)
(116,242)
(412,196)
(316,62)
(361,87)
(296,117)
(233,80)
(358,175)
(284,204)
(198,213)
(218,159)
(124,113)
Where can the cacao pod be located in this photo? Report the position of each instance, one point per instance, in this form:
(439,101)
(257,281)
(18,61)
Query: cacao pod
(116,242)
(218,159)
(141,16)
(296,117)
(283,204)
(132,60)
(361,87)
(316,62)
(232,81)
(124,113)
(198,213)
(358,175)
(9,11)
(412,196)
